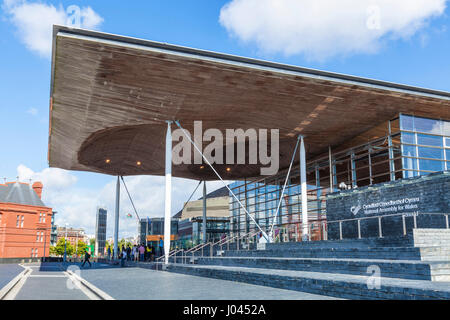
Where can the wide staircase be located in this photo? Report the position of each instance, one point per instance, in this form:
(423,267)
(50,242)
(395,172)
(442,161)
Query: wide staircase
(415,266)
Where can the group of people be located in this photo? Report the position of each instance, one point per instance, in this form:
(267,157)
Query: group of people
(136,253)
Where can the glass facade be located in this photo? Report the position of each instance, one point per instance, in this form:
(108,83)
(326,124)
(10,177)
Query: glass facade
(155,226)
(404,147)
(425,145)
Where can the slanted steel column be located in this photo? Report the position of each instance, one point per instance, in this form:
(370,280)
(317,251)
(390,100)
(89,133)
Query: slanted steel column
(204,212)
(116,220)
(331,168)
(168,200)
(305,233)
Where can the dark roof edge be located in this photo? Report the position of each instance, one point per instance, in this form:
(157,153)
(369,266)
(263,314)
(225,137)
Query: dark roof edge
(250,62)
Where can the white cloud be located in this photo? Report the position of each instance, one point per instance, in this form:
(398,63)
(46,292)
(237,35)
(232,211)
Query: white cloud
(33,111)
(52,178)
(77,206)
(321,29)
(34,21)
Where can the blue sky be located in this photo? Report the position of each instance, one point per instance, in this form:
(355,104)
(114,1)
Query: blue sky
(415,54)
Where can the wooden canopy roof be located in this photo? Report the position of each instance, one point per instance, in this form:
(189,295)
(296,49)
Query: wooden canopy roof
(111,96)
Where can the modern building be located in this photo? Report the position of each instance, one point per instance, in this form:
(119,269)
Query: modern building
(25,221)
(385,157)
(364,148)
(151,230)
(100,231)
(190,225)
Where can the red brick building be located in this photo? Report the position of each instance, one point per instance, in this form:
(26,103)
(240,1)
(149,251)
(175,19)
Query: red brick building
(25,221)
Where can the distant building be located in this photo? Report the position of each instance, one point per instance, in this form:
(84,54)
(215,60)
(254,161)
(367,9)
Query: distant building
(100,231)
(54,231)
(73,235)
(151,230)
(25,221)
(190,225)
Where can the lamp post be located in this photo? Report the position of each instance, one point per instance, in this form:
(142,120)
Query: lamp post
(65,246)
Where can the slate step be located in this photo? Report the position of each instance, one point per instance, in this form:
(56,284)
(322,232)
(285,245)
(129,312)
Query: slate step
(402,241)
(330,284)
(402,269)
(441,253)
(394,253)
(431,237)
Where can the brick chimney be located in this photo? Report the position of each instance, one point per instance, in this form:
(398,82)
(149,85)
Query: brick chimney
(37,186)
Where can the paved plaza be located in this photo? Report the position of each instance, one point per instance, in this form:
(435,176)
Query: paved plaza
(132,283)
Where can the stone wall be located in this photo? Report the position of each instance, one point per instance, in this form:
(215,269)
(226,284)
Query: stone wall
(414,196)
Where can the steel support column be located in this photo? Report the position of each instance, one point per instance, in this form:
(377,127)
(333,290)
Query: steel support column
(116,220)
(305,233)
(168,200)
(204,212)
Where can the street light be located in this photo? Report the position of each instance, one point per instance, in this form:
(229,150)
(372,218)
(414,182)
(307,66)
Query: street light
(65,246)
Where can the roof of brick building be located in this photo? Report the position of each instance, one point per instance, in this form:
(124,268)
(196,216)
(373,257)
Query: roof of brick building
(20,193)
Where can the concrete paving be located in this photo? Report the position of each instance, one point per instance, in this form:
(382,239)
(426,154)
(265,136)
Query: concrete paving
(47,282)
(8,272)
(144,284)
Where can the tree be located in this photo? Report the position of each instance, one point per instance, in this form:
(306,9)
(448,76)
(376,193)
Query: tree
(59,248)
(53,251)
(92,241)
(81,248)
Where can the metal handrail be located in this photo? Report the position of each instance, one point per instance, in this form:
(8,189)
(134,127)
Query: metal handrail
(240,236)
(322,222)
(379,217)
(170,254)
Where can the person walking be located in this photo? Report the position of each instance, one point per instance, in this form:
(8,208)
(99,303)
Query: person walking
(152,253)
(109,252)
(147,252)
(161,247)
(133,253)
(128,253)
(123,258)
(141,252)
(87,256)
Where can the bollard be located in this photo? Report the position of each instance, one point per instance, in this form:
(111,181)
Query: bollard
(404,224)
(379,227)
(359,229)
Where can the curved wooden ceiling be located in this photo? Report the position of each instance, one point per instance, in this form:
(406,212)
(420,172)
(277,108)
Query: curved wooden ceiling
(111,96)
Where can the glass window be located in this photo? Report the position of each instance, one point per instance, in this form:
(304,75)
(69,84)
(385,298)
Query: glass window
(447,142)
(428,140)
(406,123)
(409,151)
(408,138)
(410,163)
(431,165)
(446,128)
(433,153)
(447,154)
(18,222)
(427,125)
